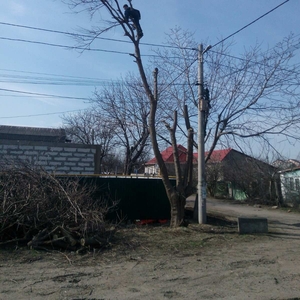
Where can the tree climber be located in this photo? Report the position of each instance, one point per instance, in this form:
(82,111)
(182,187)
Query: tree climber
(134,15)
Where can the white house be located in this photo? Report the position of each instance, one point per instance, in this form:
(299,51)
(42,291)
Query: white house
(290,186)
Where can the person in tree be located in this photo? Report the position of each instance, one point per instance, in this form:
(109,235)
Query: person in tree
(135,16)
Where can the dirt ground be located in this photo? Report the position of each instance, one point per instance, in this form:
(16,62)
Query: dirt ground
(210,261)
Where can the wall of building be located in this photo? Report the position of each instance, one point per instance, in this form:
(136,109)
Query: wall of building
(59,158)
(290,187)
(151,170)
(249,177)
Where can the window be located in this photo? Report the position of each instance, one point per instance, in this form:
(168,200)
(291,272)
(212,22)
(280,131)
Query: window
(297,182)
(286,182)
(292,184)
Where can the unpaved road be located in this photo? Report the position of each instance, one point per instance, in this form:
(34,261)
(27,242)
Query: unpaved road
(279,221)
(197,262)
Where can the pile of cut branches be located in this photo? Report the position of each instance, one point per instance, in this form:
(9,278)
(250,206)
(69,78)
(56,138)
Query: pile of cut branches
(45,211)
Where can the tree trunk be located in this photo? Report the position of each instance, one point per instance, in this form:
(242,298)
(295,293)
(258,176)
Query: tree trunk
(177,202)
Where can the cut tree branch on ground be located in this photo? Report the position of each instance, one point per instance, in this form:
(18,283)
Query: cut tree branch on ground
(41,210)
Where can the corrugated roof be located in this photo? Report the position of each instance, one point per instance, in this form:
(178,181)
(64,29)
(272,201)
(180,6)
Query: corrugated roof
(167,155)
(218,155)
(289,170)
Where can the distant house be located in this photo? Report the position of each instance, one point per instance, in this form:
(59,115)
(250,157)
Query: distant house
(151,167)
(233,174)
(290,186)
(233,164)
(282,164)
(229,173)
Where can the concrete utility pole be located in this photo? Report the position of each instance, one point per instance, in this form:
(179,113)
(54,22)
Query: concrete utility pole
(202,108)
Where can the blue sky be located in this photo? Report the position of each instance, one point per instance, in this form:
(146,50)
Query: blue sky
(42,69)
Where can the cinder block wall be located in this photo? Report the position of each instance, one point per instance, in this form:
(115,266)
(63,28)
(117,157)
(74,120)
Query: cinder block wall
(60,158)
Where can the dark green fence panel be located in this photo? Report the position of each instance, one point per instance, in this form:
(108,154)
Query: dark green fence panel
(137,198)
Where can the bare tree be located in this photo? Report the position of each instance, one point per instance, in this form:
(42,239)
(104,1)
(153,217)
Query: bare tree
(92,128)
(176,194)
(126,105)
(255,96)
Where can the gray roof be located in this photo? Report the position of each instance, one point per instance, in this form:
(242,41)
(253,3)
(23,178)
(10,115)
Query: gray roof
(32,134)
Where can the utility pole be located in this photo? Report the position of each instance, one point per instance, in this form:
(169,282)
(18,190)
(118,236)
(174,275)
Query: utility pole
(202,108)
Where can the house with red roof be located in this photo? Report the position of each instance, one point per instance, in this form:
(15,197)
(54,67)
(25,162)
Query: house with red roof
(151,167)
(229,173)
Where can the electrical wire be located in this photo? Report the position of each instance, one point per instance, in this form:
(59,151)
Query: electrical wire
(41,115)
(47,95)
(63,46)
(118,52)
(118,40)
(251,23)
(244,27)
(12,78)
(90,36)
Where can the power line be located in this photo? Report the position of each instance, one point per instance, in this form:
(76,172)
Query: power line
(65,79)
(40,115)
(250,23)
(62,32)
(116,40)
(74,47)
(51,74)
(228,38)
(110,51)
(63,46)
(60,81)
(295,46)
(87,81)
(53,80)
(90,36)
(47,95)
(122,41)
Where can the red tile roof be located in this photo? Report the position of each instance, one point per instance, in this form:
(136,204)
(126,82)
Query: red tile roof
(218,155)
(167,155)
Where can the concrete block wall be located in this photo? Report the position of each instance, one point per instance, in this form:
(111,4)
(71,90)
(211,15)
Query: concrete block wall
(59,158)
